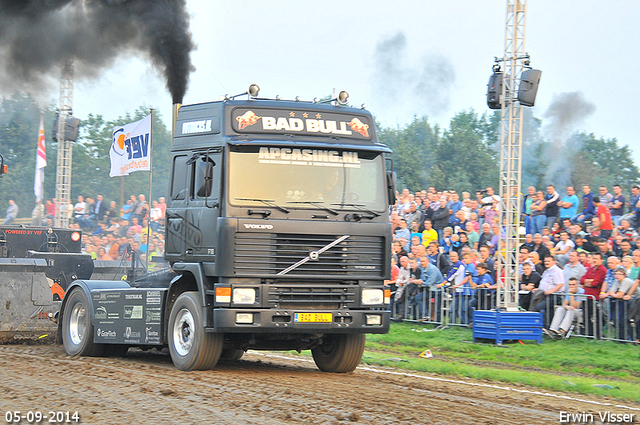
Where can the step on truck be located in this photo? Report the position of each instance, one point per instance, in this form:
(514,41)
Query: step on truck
(278,236)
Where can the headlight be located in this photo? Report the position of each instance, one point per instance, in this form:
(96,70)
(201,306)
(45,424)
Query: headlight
(244,295)
(372,296)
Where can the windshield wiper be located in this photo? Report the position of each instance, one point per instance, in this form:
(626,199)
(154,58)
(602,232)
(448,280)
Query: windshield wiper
(315,204)
(361,208)
(267,202)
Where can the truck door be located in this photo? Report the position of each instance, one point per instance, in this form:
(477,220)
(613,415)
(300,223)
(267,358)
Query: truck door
(203,206)
(177,210)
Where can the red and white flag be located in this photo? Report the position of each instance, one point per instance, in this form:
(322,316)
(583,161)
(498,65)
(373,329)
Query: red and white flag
(41,162)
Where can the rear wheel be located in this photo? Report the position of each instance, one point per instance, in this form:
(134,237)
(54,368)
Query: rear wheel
(339,353)
(190,346)
(77,329)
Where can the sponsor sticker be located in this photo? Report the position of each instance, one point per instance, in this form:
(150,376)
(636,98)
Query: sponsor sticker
(153,297)
(133,312)
(106,334)
(153,315)
(151,335)
(101,312)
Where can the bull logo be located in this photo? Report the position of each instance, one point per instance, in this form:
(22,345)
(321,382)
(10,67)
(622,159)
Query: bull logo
(359,127)
(247,119)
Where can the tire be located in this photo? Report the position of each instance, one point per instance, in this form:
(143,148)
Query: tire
(232,354)
(77,328)
(190,346)
(339,353)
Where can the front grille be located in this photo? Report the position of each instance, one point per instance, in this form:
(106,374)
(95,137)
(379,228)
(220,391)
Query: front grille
(270,253)
(311,297)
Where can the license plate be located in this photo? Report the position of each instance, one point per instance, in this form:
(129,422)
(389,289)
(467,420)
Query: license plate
(313,317)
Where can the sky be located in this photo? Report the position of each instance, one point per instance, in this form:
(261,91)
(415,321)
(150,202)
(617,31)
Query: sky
(427,57)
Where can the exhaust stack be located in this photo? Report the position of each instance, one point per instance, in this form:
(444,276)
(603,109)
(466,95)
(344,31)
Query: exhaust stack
(175,108)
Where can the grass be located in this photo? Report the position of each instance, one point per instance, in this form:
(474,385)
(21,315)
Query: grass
(573,365)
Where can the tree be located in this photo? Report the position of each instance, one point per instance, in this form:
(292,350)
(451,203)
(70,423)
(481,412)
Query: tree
(465,159)
(19,125)
(609,163)
(413,151)
(92,165)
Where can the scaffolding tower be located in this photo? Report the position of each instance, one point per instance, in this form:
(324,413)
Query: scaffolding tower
(514,60)
(65,148)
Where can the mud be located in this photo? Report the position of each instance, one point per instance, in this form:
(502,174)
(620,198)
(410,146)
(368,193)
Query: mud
(263,388)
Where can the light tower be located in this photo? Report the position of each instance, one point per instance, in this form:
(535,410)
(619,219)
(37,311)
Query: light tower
(506,322)
(514,60)
(63,169)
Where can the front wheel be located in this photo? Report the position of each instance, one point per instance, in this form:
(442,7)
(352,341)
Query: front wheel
(339,353)
(190,346)
(77,329)
(232,354)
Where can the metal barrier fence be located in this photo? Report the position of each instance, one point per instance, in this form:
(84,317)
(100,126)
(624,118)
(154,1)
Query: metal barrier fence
(608,319)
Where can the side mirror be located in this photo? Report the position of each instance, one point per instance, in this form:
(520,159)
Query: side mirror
(391,186)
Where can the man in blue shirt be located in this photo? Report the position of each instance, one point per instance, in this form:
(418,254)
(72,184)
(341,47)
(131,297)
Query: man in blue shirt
(617,205)
(588,208)
(463,291)
(569,204)
(404,233)
(430,277)
(454,206)
(485,289)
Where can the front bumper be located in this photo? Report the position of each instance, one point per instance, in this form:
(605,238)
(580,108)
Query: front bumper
(284,321)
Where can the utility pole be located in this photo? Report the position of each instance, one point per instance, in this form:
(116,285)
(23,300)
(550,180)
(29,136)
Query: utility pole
(63,169)
(514,59)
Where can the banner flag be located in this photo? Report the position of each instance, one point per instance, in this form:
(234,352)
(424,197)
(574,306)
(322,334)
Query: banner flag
(131,148)
(41,162)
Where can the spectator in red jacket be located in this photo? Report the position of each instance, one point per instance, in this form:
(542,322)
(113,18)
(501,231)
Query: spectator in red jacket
(605,226)
(592,283)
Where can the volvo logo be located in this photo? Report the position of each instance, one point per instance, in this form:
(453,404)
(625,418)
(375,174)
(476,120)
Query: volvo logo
(259,226)
(313,255)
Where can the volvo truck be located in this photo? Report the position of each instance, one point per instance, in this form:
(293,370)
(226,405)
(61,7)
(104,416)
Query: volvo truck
(278,237)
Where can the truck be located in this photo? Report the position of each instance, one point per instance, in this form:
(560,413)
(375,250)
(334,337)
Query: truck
(278,237)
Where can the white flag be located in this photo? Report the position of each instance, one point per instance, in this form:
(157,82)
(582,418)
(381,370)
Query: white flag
(131,148)
(41,162)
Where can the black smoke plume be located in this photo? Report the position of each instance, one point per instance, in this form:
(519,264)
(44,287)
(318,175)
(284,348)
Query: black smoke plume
(563,117)
(38,36)
(421,85)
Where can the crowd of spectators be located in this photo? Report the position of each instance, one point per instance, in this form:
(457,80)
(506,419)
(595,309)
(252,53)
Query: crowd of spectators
(111,232)
(579,256)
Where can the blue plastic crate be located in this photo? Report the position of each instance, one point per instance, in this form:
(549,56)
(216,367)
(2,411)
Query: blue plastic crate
(502,325)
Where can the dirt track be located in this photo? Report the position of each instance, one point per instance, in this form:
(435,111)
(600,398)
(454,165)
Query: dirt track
(145,388)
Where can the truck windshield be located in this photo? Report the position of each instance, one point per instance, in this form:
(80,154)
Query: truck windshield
(307,178)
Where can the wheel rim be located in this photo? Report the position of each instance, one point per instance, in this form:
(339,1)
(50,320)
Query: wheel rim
(183,332)
(78,324)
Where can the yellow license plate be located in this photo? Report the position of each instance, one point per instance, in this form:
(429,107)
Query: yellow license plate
(313,317)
